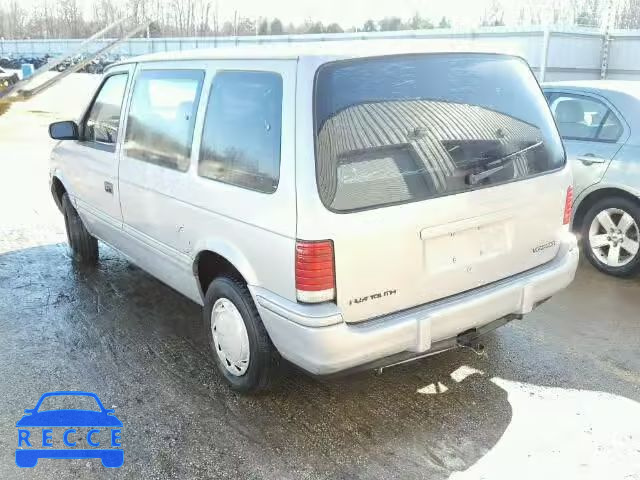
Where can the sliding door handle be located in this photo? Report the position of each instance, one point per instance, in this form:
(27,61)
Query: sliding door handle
(108,187)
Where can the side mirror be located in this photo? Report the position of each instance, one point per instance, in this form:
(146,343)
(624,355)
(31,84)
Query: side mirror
(67,130)
(29,410)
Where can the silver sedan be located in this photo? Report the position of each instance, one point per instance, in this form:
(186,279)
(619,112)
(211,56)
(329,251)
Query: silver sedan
(599,121)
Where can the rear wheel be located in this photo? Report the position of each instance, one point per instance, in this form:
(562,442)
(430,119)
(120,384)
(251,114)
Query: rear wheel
(611,236)
(84,246)
(240,345)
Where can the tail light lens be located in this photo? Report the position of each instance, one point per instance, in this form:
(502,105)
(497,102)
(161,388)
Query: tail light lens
(315,271)
(567,206)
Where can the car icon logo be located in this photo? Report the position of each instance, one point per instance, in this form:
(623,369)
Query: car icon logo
(41,430)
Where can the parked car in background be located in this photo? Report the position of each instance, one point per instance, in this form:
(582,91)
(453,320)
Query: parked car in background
(96,65)
(338,209)
(7,79)
(15,62)
(599,122)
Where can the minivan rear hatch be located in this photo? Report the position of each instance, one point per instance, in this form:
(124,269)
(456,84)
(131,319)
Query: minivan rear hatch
(438,173)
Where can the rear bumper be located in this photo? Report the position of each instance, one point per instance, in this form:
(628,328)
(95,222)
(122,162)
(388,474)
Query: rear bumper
(335,346)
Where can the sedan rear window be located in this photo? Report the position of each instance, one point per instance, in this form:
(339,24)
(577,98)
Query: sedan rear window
(398,129)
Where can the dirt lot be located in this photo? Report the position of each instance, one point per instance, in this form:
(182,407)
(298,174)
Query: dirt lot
(556,396)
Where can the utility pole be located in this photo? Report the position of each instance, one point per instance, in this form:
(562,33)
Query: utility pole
(215,26)
(609,17)
(235,25)
(546,37)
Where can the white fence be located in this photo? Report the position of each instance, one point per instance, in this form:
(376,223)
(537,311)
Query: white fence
(554,54)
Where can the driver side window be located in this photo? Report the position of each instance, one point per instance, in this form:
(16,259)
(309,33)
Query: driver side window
(104,117)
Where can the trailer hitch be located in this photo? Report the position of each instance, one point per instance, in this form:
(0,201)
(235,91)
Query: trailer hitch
(469,339)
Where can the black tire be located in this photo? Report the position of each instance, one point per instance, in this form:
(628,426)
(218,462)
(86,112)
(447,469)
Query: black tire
(264,359)
(631,267)
(84,246)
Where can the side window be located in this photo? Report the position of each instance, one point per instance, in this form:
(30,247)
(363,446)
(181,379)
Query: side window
(582,118)
(611,128)
(102,121)
(162,117)
(242,130)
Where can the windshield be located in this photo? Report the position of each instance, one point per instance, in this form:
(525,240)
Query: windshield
(399,129)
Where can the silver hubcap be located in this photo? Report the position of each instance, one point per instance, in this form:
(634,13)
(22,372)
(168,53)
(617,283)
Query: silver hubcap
(614,237)
(230,337)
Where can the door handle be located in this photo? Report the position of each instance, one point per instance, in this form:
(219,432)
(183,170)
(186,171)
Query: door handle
(590,158)
(108,187)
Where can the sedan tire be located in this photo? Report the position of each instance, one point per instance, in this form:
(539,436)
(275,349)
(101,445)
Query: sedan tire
(611,236)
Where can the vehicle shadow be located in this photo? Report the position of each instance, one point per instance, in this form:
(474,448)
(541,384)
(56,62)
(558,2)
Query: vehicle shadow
(116,331)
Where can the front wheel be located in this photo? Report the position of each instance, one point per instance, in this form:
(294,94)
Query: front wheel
(84,246)
(241,347)
(611,236)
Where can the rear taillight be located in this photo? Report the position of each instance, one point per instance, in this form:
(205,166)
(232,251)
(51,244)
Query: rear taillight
(315,271)
(568,201)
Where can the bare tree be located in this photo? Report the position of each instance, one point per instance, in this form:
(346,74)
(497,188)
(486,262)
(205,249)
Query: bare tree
(369,26)
(228,29)
(391,24)
(276,27)
(263,27)
(71,16)
(246,26)
(216,21)
(418,22)
(16,20)
(494,15)
(66,18)
(106,12)
(628,14)
(587,13)
(204,25)
(444,23)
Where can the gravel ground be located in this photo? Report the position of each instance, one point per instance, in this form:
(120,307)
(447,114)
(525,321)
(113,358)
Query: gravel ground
(556,395)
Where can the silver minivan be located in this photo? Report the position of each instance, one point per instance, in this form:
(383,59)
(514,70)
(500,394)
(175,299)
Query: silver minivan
(338,208)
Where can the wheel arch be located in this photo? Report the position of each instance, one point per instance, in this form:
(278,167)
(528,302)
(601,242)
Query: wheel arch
(215,258)
(591,198)
(58,189)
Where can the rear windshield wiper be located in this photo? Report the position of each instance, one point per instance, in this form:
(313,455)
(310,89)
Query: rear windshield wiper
(474,178)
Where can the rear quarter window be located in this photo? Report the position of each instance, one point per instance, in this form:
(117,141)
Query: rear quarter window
(242,130)
(398,129)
